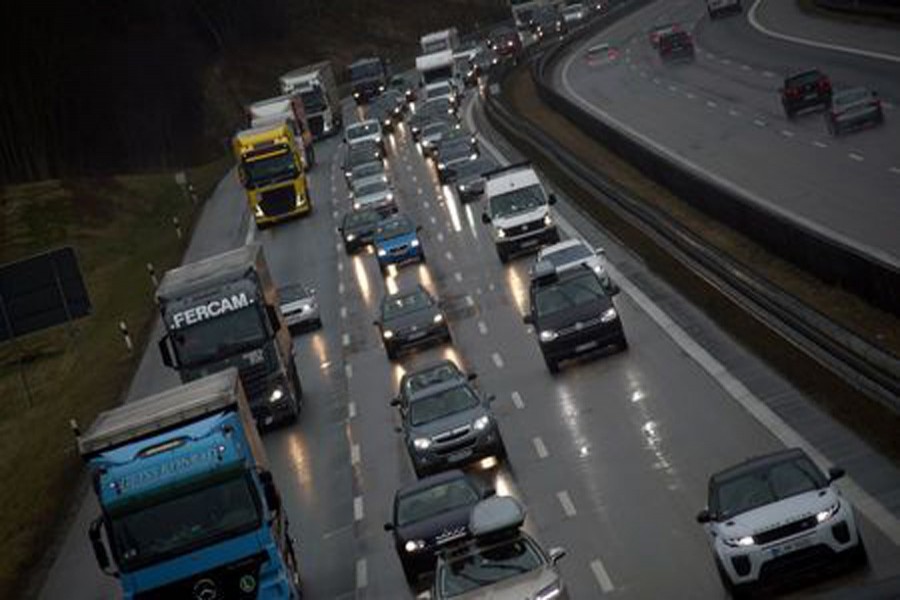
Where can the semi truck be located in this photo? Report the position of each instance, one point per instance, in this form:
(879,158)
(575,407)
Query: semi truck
(318,89)
(290,108)
(188,505)
(439,41)
(270,168)
(368,78)
(438,67)
(224,312)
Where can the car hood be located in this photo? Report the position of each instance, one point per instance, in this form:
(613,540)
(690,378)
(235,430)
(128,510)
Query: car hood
(446,525)
(398,240)
(778,513)
(420,318)
(525,216)
(360,229)
(458,419)
(521,587)
(583,313)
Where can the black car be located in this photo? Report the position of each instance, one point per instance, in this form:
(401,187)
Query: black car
(547,22)
(452,152)
(404,86)
(852,108)
(384,111)
(676,45)
(440,372)
(409,319)
(358,227)
(468,176)
(430,514)
(360,153)
(808,89)
(572,313)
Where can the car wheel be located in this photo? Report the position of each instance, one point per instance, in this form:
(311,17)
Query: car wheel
(391,352)
(317,324)
(422,257)
(504,256)
(420,471)
(552,365)
(623,343)
(409,574)
(859,556)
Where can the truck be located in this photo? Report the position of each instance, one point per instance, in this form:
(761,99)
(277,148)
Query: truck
(368,78)
(188,505)
(290,108)
(518,210)
(317,87)
(438,67)
(271,170)
(438,41)
(223,311)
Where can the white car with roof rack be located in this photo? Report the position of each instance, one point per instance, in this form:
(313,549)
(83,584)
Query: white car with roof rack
(569,254)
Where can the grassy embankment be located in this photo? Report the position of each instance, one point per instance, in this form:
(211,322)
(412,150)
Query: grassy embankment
(117,225)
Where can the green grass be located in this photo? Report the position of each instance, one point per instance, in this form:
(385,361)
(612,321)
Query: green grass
(116,225)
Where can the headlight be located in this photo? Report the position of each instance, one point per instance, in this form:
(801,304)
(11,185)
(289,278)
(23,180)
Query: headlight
(481,423)
(259,211)
(598,269)
(356,94)
(473,156)
(350,237)
(380,88)
(387,334)
(740,542)
(442,166)
(384,178)
(829,512)
(438,318)
(501,233)
(276,395)
(382,252)
(390,196)
(414,243)
(549,592)
(463,187)
(548,220)
(348,174)
(422,443)
(387,122)
(608,315)
(449,111)
(548,335)
(356,205)
(414,545)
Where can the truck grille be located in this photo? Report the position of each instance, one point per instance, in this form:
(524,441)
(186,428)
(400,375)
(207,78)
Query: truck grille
(278,201)
(254,378)
(316,125)
(528,227)
(784,531)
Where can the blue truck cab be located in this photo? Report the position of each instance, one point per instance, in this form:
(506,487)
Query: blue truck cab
(188,506)
(396,241)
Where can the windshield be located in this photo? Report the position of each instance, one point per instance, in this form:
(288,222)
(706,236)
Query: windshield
(293,291)
(368,170)
(262,171)
(365,70)
(397,306)
(395,227)
(313,101)
(218,337)
(438,74)
(765,485)
(565,256)
(804,78)
(442,404)
(472,168)
(373,187)
(362,130)
(362,218)
(517,201)
(431,47)
(437,374)
(435,500)
(455,149)
(488,566)
(180,524)
(568,293)
(441,128)
(850,96)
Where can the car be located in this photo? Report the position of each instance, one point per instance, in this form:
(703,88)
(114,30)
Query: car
(432,133)
(442,90)
(396,242)
(570,254)
(360,154)
(676,45)
(600,53)
(499,560)
(807,89)
(658,30)
(409,319)
(367,172)
(376,195)
(396,100)
(299,306)
(719,8)
(367,130)
(436,105)
(440,372)
(382,109)
(357,228)
(439,109)
(505,42)
(449,424)
(574,14)
(429,514)
(546,22)
(484,61)
(774,515)
(468,177)
(404,85)
(572,314)
(852,108)
(452,152)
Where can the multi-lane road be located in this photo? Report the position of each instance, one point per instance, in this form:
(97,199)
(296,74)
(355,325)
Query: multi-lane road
(611,457)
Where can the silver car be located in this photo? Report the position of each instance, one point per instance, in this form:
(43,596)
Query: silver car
(852,108)
(299,306)
(377,195)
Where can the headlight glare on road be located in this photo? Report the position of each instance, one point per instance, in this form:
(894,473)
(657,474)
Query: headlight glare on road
(481,423)
(548,335)
(608,315)
(422,443)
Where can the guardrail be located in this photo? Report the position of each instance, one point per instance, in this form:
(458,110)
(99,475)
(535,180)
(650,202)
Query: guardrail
(856,361)
(883,8)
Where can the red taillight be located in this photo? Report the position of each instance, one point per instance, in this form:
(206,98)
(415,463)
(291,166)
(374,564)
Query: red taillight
(824,85)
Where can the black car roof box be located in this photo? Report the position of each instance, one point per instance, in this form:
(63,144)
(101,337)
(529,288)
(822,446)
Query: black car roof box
(522,165)
(497,516)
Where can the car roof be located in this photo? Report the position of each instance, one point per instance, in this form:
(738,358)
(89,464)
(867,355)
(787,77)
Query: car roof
(443,386)
(406,292)
(562,245)
(755,463)
(428,368)
(431,481)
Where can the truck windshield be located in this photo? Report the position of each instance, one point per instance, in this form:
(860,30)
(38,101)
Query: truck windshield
(365,70)
(439,74)
(183,523)
(517,201)
(262,171)
(220,337)
(313,101)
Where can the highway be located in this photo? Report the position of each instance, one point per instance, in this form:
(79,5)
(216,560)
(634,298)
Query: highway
(721,114)
(611,457)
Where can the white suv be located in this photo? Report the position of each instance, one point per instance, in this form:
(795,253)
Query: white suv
(774,515)
(518,210)
(368,130)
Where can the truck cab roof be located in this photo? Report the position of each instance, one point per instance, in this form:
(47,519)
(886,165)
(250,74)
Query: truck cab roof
(221,268)
(509,178)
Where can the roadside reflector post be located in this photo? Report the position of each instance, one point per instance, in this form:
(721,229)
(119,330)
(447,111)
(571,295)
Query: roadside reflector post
(176,222)
(152,272)
(123,329)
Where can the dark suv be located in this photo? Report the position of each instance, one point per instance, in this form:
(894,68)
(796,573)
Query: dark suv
(805,90)
(676,45)
(572,313)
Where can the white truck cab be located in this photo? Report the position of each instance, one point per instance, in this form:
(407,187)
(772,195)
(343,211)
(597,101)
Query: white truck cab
(517,208)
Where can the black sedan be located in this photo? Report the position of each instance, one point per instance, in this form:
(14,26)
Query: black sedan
(451,153)
(852,108)
(430,514)
(358,227)
(409,319)
(468,177)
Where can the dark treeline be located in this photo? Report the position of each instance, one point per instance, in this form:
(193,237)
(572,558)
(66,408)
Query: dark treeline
(102,86)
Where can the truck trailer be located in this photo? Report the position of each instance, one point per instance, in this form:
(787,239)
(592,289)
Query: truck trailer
(188,506)
(318,89)
(224,312)
(290,108)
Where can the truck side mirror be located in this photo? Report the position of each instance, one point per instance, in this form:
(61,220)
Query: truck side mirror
(485,218)
(472,376)
(273,499)
(166,353)
(556,554)
(703,516)
(551,199)
(99,547)
(274,321)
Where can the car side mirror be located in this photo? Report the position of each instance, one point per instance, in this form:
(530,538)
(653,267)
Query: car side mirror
(835,473)
(485,218)
(551,199)
(418,228)
(556,554)
(273,498)
(398,430)
(528,320)
(600,252)
(703,516)
(472,376)
(395,402)
(388,526)
(491,398)
(376,323)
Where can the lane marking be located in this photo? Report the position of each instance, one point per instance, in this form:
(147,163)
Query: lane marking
(348,370)
(341,288)
(470,301)
(746,68)
(482,328)
(343,312)
(656,80)
(458,277)
(448,255)
(340,266)
(433,221)
(759,122)
(345,339)
(734,113)
(351,409)
(819,144)
(787,133)
(338,245)
(690,96)
(335,214)
(602,577)
(419,191)
(409,168)
(540,448)
(725,61)
(855,156)
(768,74)
(673,88)
(711,104)
(440,236)
(754,22)
(358,512)
(362,576)
(895,170)
(426,204)
(567,505)
(415,179)
(517,400)
(498,360)
(354,454)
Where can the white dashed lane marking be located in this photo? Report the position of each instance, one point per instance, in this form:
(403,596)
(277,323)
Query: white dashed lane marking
(358,512)
(539,448)
(517,400)
(602,577)
(711,104)
(787,133)
(354,454)
(819,144)
(498,360)
(567,505)
(362,576)
(345,339)
(343,312)
(458,277)
(733,112)
(759,122)
(855,156)
(482,328)
(470,301)
(448,255)
(348,370)
(351,409)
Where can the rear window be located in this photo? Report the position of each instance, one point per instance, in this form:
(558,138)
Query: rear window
(851,96)
(676,38)
(804,78)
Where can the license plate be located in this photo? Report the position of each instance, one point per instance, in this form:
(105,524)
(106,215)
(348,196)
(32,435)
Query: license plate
(586,347)
(790,547)
(417,336)
(458,456)
(529,243)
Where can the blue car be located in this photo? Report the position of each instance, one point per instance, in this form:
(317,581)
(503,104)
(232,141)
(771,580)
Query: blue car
(397,241)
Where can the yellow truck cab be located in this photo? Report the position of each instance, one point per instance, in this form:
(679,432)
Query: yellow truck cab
(272,171)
